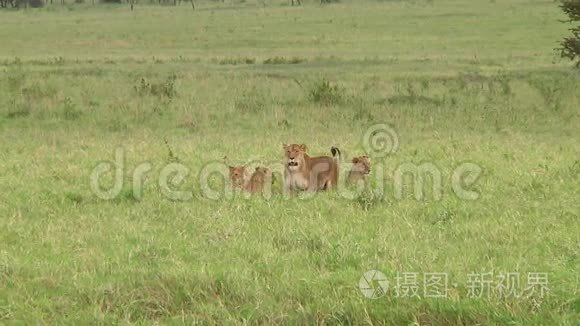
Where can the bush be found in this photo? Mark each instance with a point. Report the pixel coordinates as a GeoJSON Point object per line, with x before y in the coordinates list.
{"type": "Point", "coordinates": [234, 61]}
{"type": "Point", "coordinates": [18, 109]}
{"type": "Point", "coordinates": [282, 60]}
{"type": "Point", "coordinates": [325, 93]}
{"type": "Point", "coordinates": [570, 46]}
{"type": "Point", "coordinates": [162, 89]}
{"type": "Point", "coordinates": [69, 110]}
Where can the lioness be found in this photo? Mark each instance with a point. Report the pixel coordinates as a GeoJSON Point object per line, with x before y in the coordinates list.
{"type": "Point", "coordinates": [259, 179]}
{"type": "Point", "coordinates": [360, 170]}
{"type": "Point", "coordinates": [303, 172]}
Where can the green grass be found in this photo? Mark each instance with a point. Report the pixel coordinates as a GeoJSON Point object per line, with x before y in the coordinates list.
{"type": "Point", "coordinates": [460, 81]}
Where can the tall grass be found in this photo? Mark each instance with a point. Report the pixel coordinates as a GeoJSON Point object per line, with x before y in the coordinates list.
{"type": "Point", "coordinates": [460, 83]}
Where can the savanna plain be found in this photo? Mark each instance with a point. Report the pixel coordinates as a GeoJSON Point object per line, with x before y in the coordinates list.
{"type": "Point", "coordinates": [456, 81]}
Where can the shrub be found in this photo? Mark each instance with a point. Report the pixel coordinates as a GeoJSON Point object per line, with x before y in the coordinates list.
{"type": "Point", "coordinates": [283, 60]}
{"type": "Point", "coordinates": [234, 61]}
{"type": "Point", "coordinates": [69, 110]}
{"type": "Point", "coordinates": [18, 109]}
{"type": "Point", "coordinates": [369, 199]}
{"type": "Point", "coordinates": [166, 88]}
{"type": "Point", "coordinates": [36, 91]}
{"type": "Point", "coordinates": [325, 93]}
{"type": "Point", "coordinates": [171, 157]}
{"type": "Point", "coordinates": [570, 46]}
{"type": "Point", "coordinates": [163, 89]}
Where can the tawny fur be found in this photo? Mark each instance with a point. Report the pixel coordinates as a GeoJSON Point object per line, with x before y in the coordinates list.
{"type": "Point", "coordinates": [238, 176]}
{"type": "Point", "coordinates": [261, 178]}
{"type": "Point", "coordinates": [303, 172]}
{"type": "Point", "coordinates": [360, 170]}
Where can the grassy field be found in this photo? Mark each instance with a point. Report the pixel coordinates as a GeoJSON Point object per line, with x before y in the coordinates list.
{"type": "Point", "coordinates": [458, 81]}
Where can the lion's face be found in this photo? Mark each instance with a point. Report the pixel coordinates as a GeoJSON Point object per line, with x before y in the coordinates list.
{"type": "Point", "coordinates": [294, 156]}
{"type": "Point", "coordinates": [361, 164]}
{"type": "Point", "coordinates": [266, 172]}
{"type": "Point", "coordinates": [237, 175]}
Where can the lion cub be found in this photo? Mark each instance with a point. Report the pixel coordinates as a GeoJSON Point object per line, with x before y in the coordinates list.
{"type": "Point", "coordinates": [303, 172]}
{"type": "Point", "coordinates": [238, 176]}
{"type": "Point", "coordinates": [261, 177]}
{"type": "Point", "coordinates": [360, 170]}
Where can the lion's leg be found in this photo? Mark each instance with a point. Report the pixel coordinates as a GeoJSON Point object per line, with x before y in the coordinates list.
{"type": "Point", "coordinates": [287, 188]}
{"type": "Point", "coordinates": [334, 177]}
{"type": "Point", "coordinates": [315, 183]}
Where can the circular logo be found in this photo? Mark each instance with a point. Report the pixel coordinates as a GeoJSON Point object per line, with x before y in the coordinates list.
{"type": "Point", "coordinates": [373, 284]}
{"type": "Point", "coordinates": [380, 140]}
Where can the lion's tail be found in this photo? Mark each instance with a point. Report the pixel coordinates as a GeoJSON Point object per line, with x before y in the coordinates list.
{"type": "Point", "coordinates": [335, 153]}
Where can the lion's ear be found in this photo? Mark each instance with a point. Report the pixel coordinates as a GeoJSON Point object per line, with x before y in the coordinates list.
{"type": "Point", "coordinates": [302, 147]}
{"type": "Point", "coordinates": [355, 160]}
{"type": "Point", "coordinates": [285, 146]}
{"type": "Point", "coordinates": [231, 168]}
{"type": "Point", "coordinates": [257, 168]}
